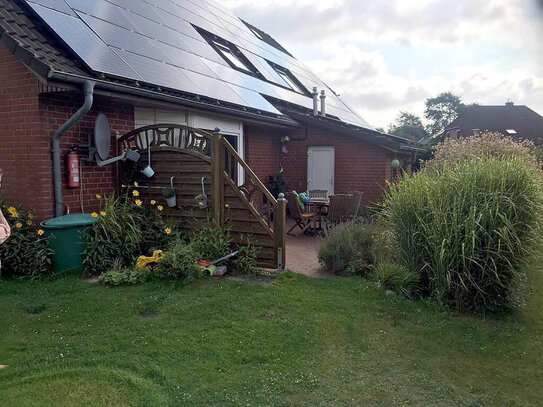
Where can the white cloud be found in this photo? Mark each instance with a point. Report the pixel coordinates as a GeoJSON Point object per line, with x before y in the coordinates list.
{"type": "Point", "coordinates": [386, 56]}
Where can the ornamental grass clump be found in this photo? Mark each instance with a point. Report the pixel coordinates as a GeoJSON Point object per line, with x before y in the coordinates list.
{"type": "Point", "coordinates": [468, 228]}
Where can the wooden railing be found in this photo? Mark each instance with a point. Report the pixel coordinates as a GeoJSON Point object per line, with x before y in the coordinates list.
{"type": "Point", "coordinates": [269, 211]}
{"type": "Point", "coordinates": [257, 215]}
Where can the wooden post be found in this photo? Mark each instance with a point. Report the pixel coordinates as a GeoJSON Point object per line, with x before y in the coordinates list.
{"type": "Point", "coordinates": [216, 177]}
{"type": "Point", "coordinates": [279, 231]}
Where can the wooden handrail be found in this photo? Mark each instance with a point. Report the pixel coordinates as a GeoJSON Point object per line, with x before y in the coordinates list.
{"type": "Point", "coordinates": [249, 171]}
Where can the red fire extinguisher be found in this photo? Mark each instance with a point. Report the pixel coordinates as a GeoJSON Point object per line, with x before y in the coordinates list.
{"type": "Point", "coordinates": [72, 165]}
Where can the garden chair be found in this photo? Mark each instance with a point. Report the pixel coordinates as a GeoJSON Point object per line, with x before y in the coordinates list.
{"type": "Point", "coordinates": [357, 202]}
{"type": "Point", "coordinates": [341, 208]}
{"type": "Point", "coordinates": [303, 220]}
{"type": "Point", "coordinates": [318, 193]}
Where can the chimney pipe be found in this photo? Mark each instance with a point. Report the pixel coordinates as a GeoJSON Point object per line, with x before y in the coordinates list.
{"type": "Point", "coordinates": [323, 103]}
{"type": "Point", "coordinates": [315, 101]}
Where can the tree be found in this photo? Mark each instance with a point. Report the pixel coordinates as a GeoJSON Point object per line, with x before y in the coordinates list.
{"type": "Point", "coordinates": [441, 111]}
{"type": "Point", "coordinates": [408, 125]}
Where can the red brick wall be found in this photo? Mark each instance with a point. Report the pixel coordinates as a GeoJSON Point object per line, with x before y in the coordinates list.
{"type": "Point", "coordinates": [28, 121]}
{"type": "Point", "coordinates": [262, 150]}
{"type": "Point", "coordinates": [358, 165]}
{"type": "Point", "coordinates": [23, 149]}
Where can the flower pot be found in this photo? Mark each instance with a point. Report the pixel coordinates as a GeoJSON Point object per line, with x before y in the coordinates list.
{"type": "Point", "coordinates": [171, 201]}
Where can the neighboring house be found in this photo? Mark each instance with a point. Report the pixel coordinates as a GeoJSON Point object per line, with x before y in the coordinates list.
{"type": "Point", "coordinates": [184, 62]}
{"type": "Point", "coordinates": [519, 122]}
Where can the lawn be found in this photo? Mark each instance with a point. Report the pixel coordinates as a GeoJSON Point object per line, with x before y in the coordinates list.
{"type": "Point", "coordinates": [297, 342]}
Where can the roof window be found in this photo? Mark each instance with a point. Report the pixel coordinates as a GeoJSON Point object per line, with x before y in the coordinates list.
{"type": "Point", "coordinates": [292, 82]}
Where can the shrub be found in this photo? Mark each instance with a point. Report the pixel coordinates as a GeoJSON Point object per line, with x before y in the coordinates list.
{"type": "Point", "coordinates": [180, 262]}
{"type": "Point", "coordinates": [115, 238]}
{"type": "Point", "coordinates": [124, 230]}
{"type": "Point", "coordinates": [26, 253]}
{"type": "Point", "coordinates": [451, 152]}
{"type": "Point", "coordinates": [468, 228]}
{"type": "Point", "coordinates": [398, 278]}
{"type": "Point", "coordinates": [212, 242]}
{"type": "Point", "coordinates": [347, 249]}
{"type": "Point", "coordinates": [124, 276]}
{"type": "Point", "coordinates": [246, 262]}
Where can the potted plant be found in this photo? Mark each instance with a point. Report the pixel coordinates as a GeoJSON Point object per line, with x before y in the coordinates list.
{"type": "Point", "coordinates": [170, 196]}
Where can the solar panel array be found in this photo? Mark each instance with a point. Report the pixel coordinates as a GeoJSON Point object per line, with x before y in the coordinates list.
{"type": "Point", "coordinates": [156, 42]}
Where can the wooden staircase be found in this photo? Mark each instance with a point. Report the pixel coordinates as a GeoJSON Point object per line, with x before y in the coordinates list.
{"type": "Point", "coordinates": [249, 211]}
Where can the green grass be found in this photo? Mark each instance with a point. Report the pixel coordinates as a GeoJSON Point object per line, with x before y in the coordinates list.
{"type": "Point", "coordinates": [298, 342]}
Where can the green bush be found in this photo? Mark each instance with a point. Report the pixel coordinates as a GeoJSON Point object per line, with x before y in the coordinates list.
{"type": "Point", "coordinates": [212, 242]}
{"type": "Point", "coordinates": [398, 278]}
{"type": "Point", "coordinates": [468, 228]}
{"type": "Point", "coordinates": [246, 262]}
{"type": "Point", "coordinates": [26, 253]}
{"type": "Point", "coordinates": [115, 238]}
{"type": "Point", "coordinates": [124, 276]}
{"type": "Point", "coordinates": [124, 230]}
{"type": "Point", "coordinates": [180, 262]}
{"type": "Point", "coordinates": [347, 249]}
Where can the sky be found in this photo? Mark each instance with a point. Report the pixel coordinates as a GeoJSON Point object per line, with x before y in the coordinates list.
{"type": "Point", "coordinates": [387, 56]}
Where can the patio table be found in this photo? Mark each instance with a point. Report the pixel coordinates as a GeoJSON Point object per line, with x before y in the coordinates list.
{"type": "Point", "coordinates": [319, 204]}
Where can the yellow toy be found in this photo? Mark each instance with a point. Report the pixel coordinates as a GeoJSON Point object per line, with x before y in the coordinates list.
{"type": "Point", "coordinates": [145, 262]}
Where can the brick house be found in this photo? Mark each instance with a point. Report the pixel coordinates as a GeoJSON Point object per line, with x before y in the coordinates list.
{"type": "Point", "coordinates": [186, 62]}
{"type": "Point", "coordinates": [517, 121]}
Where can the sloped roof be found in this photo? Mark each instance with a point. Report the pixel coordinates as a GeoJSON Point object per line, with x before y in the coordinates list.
{"type": "Point", "coordinates": [170, 48]}
{"type": "Point", "coordinates": [525, 123]}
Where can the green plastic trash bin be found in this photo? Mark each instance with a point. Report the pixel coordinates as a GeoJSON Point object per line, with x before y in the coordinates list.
{"type": "Point", "coordinates": [66, 236]}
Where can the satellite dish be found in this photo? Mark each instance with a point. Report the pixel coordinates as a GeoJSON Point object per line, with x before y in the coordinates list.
{"type": "Point", "coordinates": [102, 144]}
{"type": "Point", "coordinates": [102, 137]}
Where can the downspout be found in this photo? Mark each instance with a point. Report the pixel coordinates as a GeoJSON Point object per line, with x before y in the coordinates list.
{"type": "Point", "coordinates": [88, 90]}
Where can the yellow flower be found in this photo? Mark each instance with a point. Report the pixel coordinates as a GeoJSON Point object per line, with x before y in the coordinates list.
{"type": "Point", "coordinates": [29, 222]}
{"type": "Point", "coordinates": [136, 184]}
{"type": "Point", "coordinates": [98, 196]}
{"type": "Point", "coordinates": [387, 182]}
{"type": "Point", "coordinates": [168, 231]}
{"type": "Point", "coordinates": [94, 215]}
{"type": "Point", "coordinates": [41, 232]}
{"type": "Point", "coordinates": [136, 193]}
{"type": "Point", "coordinates": [160, 207]}
{"type": "Point", "coordinates": [103, 213]}
{"type": "Point", "coordinates": [138, 202]}
{"type": "Point", "coordinates": [13, 212]}
{"type": "Point", "coordinates": [30, 215]}
{"type": "Point", "coordinates": [19, 225]}
{"type": "Point", "coordinates": [153, 202]}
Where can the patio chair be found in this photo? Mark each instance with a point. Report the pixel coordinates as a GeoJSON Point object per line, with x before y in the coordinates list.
{"type": "Point", "coordinates": [318, 193]}
{"type": "Point", "coordinates": [303, 220]}
{"type": "Point", "coordinates": [341, 208]}
{"type": "Point", "coordinates": [357, 202]}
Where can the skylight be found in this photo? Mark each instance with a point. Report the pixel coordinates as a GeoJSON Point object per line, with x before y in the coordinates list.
{"type": "Point", "coordinates": [292, 82]}
{"type": "Point", "coordinates": [228, 54]}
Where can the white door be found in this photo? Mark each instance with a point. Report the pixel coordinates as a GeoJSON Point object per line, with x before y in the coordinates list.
{"type": "Point", "coordinates": [320, 168]}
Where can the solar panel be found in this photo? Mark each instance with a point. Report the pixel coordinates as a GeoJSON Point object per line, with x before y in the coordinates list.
{"type": "Point", "coordinates": [82, 40]}
{"type": "Point", "coordinates": [184, 59]}
{"type": "Point", "coordinates": [58, 5]}
{"type": "Point", "coordinates": [102, 10]}
{"type": "Point", "coordinates": [155, 41]}
{"type": "Point", "coordinates": [254, 99]}
{"type": "Point", "coordinates": [159, 73]}
{"type": "Point", "coordinates": [122, 38]}
{"type": "Point", "coordinates": [214, 88]}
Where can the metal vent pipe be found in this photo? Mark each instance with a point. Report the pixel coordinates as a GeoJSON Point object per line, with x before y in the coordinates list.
{"type": "Point", "coordinates": [323, 103]}
{"type": "Point", "coordinates": [315, 101]}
